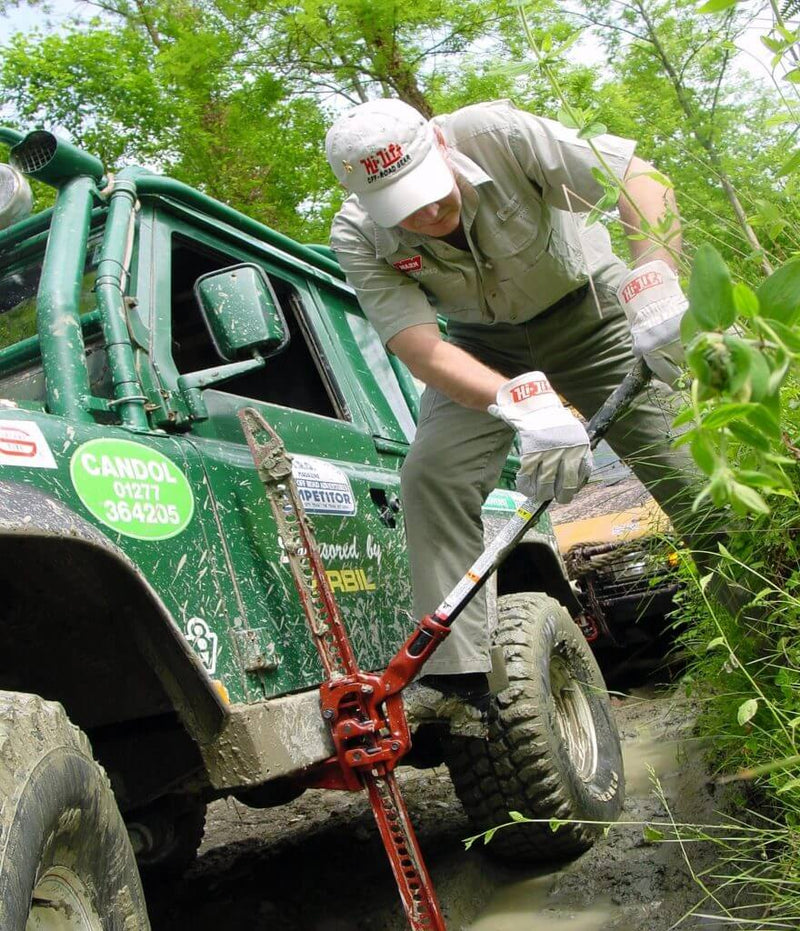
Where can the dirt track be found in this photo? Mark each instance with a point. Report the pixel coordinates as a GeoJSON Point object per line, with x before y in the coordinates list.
{"type": "Point", "coordinates": [317, 865]}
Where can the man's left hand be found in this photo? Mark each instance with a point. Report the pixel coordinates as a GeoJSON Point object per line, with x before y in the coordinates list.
{"type": "Point", "coordinates": [654, 304]}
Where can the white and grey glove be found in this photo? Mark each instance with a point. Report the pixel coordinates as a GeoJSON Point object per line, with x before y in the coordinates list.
{"type": "Point", "coordinates": [654, 305]}
{"type": "Point", "coordinates": [555, 454]}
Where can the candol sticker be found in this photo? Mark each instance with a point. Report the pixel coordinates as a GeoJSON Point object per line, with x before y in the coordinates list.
{"type": "Point", "coordinates": [132, 489]}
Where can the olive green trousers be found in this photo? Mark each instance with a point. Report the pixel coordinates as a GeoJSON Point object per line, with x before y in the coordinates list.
{"type": "Point", "coordinates": [458, 454]}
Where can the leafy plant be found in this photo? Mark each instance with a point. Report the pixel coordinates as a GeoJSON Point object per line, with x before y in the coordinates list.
{"type": "Point", "coordinates": [737, 438]}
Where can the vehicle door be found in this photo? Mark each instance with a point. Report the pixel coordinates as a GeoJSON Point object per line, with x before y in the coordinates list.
{"type": "Point", "coordinates": [322, 396]}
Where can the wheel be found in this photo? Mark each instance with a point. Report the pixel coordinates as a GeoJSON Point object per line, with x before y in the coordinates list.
{"type": "Point", "coordinates": [66, 863]}
{"type": "Point", "coordinates": [166, 835]}
{"type": "Point", "coordinates": [553, 750]}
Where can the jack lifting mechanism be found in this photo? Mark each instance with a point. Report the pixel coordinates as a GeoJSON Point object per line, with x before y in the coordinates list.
{"type": "Point", "coordinates": [365, 710]}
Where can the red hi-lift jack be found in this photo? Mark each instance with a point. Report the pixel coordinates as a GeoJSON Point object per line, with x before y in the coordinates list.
{"type": "Point", "coordinates": [365, 710]}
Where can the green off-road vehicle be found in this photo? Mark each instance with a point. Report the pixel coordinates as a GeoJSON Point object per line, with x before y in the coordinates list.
{"type": "Point", "coordinates": [155, 655]}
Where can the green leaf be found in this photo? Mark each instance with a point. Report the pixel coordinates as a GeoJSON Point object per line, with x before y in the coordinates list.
{"type": "Point", "coordinates": [703, 453]}
{"type": "Point", "coordinates": [685, 416]}
{"type": "Point", "coordinates": [756, 479]}
{"type": "Point", "coordinates": [749, 436]}
{"type": "Point", "coordinates": [779, 295]}
{"type": "Point", "coordinates": [711, 290]}
{"type": "Point", "coordinates": [790, 165]}
{"type": "Point", "coordinates": [689, 327]}
{"type": "Point", "coordinates": [662, 179]}
{"type": "Point", "coordinates": [556, 823]}
{"type": "Point", "coordinates": [489, 835]}
{"type": "Point", "coordinates": [746, 710]}
{"type": "Point", "coordinates": [774, 45]}
{"type": "Point", "coordinates": [725, 413]}
{"type": "Point", "coordinates": [518, 816]}
{"type": "Point", "coordinates": [792, 76]}
{"type": "Point", "coordinates": [652, 835]}
{"type": "Point", "coordinates": [716, 642]}
{"type": "Point", "coordinates": [778, 120]}
{"type": "Point", "coordinates": [762, 420]}
{"type": "Point", "coordinates": [789, 786]}
{"type": "Point", "coordinates": [789, 336]}
{"type": "Point", "coordinates": [592, 130]}
{"type": "Point", "coordinates": [747, 499]}
{"type": "Point", "coordinates": [716, 6]}
{"type": "Point", "coordinates": [566, 119]}
{"type": "Point", "coordinates": [745, 300]}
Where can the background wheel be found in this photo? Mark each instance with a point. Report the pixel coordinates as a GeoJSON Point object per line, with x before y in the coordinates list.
{"type": "Point", "coordinates": [166, 835]}
{"type": "Point", "coordinates": [66, 863]}
{"type": "Point", "coordinates": [553, 749]}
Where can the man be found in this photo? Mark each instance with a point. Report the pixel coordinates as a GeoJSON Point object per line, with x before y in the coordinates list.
{"type": "Point", "coordinates": [476, 216]}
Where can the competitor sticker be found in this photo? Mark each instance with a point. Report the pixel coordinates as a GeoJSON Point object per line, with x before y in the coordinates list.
{"type": "Point", "coordinates": [413, 264]}
{"type": "Point", "coordinates": [502, 500]}
{"type": "Point", "coordinates": [23, 444]}
{"type": "Point", "coordinates": [132, 489]}
{"type": "Point", "coordinates": [204, 642]}
{"type": "Point", "coordinates": [323, 488]}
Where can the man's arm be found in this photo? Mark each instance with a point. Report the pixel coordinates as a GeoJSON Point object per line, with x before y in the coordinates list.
{"type": "Point", "coordinates": [654, 200]}
{"type": "Point", "coordinates": [445, 367]}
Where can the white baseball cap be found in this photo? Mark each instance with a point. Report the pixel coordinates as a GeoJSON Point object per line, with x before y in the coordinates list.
{"type": "Point", "coordinates": [385, 152]}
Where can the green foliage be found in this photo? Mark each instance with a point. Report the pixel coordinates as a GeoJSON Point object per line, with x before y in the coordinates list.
{"type": "Point", "coordinates": [736, 437]}
{"type": "Point", "coordinates": [182, 107]}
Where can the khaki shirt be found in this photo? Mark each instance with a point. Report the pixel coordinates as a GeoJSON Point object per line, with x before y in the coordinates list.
{"type": "Point", "coordinates": [526, 250]}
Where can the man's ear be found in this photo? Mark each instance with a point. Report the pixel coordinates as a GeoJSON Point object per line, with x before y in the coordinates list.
{"type": "Point", "coordinates": [440, 140]}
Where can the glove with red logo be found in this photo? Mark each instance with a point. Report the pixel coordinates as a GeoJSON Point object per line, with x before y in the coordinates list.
{"type": "Point", "coordinates": [654, 304]}
{"type": "Point", "coordinates": [554, 446]}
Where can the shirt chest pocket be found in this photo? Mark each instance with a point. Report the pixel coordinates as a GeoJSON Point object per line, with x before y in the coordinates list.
{"type": "Point", "coordinates": [512, 225]}
{"type": "Point", "coordinates": [450, 289]}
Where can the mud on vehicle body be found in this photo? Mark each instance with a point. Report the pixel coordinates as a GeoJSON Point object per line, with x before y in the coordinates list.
{"type": "Point", "coordinates": [144, 582]}
{"type": "Point", "coordinates": [613, 537]}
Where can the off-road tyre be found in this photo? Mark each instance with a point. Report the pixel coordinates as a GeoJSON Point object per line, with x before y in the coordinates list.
{"type": "Point", "coordinates": [529, 764]}
{"type": "Point", "coordinates": [166, 836]}
{"type": "Point", "coordinates": [65, 858]}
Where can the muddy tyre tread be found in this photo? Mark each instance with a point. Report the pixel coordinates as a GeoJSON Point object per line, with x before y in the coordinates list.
{"type": "Point", "coordinates": [516, 769]}
{"type": "Point", "coordinates": [42, 750]}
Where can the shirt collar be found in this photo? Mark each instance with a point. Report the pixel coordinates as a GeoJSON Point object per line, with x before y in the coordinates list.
{"type": "Point", "coordinates": [388, 241]}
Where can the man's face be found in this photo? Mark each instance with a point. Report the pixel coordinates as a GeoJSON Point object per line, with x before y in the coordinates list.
{"type": "Point", "coordinates": [437, 219]}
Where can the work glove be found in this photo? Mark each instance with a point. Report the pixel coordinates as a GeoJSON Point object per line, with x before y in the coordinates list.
{"type": "Point", "coordinates": [554, 446]}
{"type": "Point", "coordinates": [653, 302]}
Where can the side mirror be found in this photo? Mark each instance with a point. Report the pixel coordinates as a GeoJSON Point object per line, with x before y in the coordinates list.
{"type": "Point", "coordinates": [241, 312]}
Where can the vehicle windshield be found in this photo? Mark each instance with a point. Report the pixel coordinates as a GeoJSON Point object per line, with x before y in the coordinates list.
{"type": "Point", "coordinates": [19, 285]}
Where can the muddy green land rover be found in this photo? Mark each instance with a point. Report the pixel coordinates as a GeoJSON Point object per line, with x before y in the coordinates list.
{"type": "Point", "coordinates": [155, 655]}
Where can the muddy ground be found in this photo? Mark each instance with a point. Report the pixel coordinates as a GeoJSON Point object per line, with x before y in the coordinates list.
{"type": "Point", "coordinates": [317, 864]}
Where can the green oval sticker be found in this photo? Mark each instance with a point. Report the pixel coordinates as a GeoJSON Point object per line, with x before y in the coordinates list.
{"type": "Point", "coordinates": [131, 488]}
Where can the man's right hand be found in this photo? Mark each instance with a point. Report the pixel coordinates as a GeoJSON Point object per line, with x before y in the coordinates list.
{"type": "Point", "coordinates": [555, 454]}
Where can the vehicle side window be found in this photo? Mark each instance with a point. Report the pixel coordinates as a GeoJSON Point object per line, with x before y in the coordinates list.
{"type": "Point", "coordinates": [293, 378]}
{"type": "Point", "coordinates": [18, 291]}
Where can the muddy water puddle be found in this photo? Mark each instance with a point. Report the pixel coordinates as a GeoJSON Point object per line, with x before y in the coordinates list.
{"type": "Point", "coordinates": [622, 882]}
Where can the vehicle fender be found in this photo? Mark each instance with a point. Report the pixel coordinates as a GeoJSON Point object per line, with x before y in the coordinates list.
{"type": "Point", "coordinates": [28, 513]}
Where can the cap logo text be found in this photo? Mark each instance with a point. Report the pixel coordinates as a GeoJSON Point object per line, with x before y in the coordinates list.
{"type": "Point", "coordinates": [384, 162]}
{"type": "Point", "coordinates": [642, 283]}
